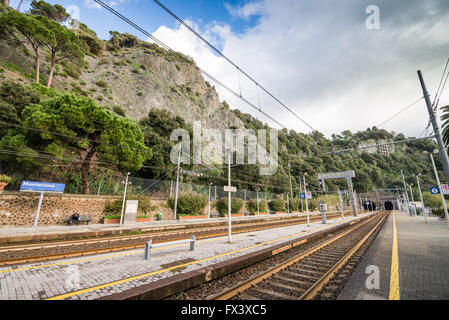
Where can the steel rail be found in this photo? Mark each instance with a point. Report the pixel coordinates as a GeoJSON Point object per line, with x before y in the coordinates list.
{"type": "Point", "coordinates": [247, 284]}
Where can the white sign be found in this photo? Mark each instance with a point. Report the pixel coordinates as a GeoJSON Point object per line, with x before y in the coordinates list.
{"type": "Point", "coordinates": [445, 188]}
{"type": "Point", "coordinates": [131, 212]}
{"type": "Point", "coordinates": [309, 195]}
{"type": "Point", "coordinates": [230, 189]}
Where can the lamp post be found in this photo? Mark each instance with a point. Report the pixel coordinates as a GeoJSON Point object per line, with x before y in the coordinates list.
{"type": "Point", "coordinates": [441, 190]}
{"type": "Point", "coordinates": [305, 192]}
{"type": "Point", "coordinates": [228, 150]}
{"type": "Point", "coordinates": [413, 200]}
{"type": "Point", "coordinates": [124, 197]}
{"type": "Point", "coordinates": [422, 201]}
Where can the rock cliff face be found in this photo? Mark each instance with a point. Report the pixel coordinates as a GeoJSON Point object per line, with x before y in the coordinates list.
{"type": "Point", "coordinates": [133, 75]}
{"type": "Point", "coordinates": [141, 79]}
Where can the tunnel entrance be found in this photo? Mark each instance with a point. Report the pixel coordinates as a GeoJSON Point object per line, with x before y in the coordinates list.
{"type": "Point", "coordinates": [389, 206]}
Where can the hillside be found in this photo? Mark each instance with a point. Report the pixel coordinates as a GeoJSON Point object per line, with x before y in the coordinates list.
{"type": "Point", "coordinates": [158, 92]}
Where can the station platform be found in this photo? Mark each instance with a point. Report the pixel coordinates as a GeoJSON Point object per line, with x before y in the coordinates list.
{"type": "Point", "coordinates": [125, 274]}
{"type": "Point", "coordinates": [412, 258]}
{"type": "Point", "coordinates": [62, 232]}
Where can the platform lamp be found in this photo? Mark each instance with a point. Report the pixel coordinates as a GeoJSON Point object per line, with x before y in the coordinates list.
{"type": "Point", "coordinates": [124, 197]}
{"type": "Point", "coordinates": [420, 196]}
{"type": "Point", "coordinates": [439, 186]}
{"type": "Point", "coordinates": [305, 192]}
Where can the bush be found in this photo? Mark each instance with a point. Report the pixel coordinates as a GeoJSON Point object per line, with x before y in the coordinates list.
{"type": "Point", "coordinates": [188, 205]}
{"type": "Point", "coordinates": [295, 204]}
{"type": "Point", "coordinates": [277, 205]}
{"type": "Point", "coordinates": [312, 206]}
{"type": "Point", "coordinates": [72, 71]}
{"type": "Point", "coordinates": [222, 205]}
{"type": "Point", "coordinates": [118, 110]}
{"type": "Point", "coordinates": [115, 207]}
{"type": "Point", "coordinates": [252, 206]}
{"type": "Point", "coordinates": [101, 84]}
{"type": "Point", "coordinates": [5, 178]}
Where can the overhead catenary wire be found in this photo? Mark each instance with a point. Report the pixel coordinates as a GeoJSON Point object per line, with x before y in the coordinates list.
{"type": "Point", "coordinates": [402, 110]}
{"type": "Point", "coordinates": [162, 44]}
{"type": "Point", "coordinates": [230, 61]}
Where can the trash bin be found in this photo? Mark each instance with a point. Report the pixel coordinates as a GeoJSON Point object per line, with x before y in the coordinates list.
{"type": "Point", "coordinates": [159, 216]}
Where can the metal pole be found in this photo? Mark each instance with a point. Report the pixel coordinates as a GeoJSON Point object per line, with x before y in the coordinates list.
{"type": "Point", "coordinates": [307, 206]}
{"type": "Point", "coordinates": [244, 194]}
{"type": "Point", "coordinates": [406, 193]}
{"type": "Point", "coordinates": [124, 198]}
{"type": "Point", "coordinates": [422, 201]}
{"type": "Point", "coordinates": [288, 205]}
{"type": "Point", "coordinates": [351, 190]}
{"type": "Point", "coordinates": [215, 193]}
{"type": "Point", "coordinates": [208, 200]}
{"type": "Point", "coordinates": [101, 181]}
{"type": "Point", "coordinates": [38, 209]}
{"type": "Point", "coordinates": [177, 184]}
{"type": "Point", "coordinates": [436, 128]}
{"type": "Point", "coordinates": [413, 200]}
{"type": "Point", "coordinates": [300, 191]}
{"type": "Point", "coordinates": [441, 190]}
{"type": "Point", "coordinates": [229, 197]}
{"type": "Point", "coordinates": [171, 188]}
{"type": "Point", "coordinates": [341, 203]}
{"type": "Point", "coordinates": [257, 200]}
{"type": "Point", "coordinates": [290, 179]}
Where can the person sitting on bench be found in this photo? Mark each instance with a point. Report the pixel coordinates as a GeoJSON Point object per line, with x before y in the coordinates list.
{"type": "Point", "coordinates": [75, 217]}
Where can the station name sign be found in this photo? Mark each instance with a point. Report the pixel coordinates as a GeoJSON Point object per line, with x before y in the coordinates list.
{"type": "Point", "coordinates": [34, 186]}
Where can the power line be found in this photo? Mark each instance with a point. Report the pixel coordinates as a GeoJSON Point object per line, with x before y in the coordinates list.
{"type": "Point", "coordinates": [230, 61]}
{"type": "Point", "coordinates": [116, 13]}
{"type": "Point", "coordinates": [395, 115]}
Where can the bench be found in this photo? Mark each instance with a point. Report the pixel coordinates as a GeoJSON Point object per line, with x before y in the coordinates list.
{"type": "Point", "coordinates": [150, 245]}
{"type": "Point", "coordinates": [83, 218]}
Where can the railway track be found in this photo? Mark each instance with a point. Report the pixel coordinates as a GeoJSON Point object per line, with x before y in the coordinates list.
{"type": "Point", "coordinates": [307, 275]}
{"type": "Point", "coordinates": [30, 253]}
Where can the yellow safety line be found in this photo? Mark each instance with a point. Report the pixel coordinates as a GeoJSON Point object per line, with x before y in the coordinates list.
{"type": "Point", "coordinates": [75, 293]}
{"type": "Point", "coordinates": [394, 277]}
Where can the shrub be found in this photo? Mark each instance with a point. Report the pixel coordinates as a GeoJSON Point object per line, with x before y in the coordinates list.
{"type": "Point", "coordinates": [222, 205]}
{"type": "Point", "coordinates": [312, 206]}
{"type": "Point", "coordinates": [101, 83]}
{"type": "Point", "coordinates": [5, 178]}
{"type": "Point", "coordinates": [188, 205]}
{"type": "Point", "coordinates": [178, 67]}
{"type": "Point", "coordinates": [104, 61]}
{"type": "Point", "coordinates": [83, 83]}
{"type": "Point", "coordinates": [118, 110]}
{"type": "Point", "coordinates": [72, 71]}
{"type": "Point", "coordinates": [140, 93]}
{"type": "Point", "coordinates": [294, 204]}
{"type": "Point", "coordinates": [277, 205]}
{"type": "Point", "coordinates": [252, 206]}
{"type": "Point", "coordinates": [113, 207]}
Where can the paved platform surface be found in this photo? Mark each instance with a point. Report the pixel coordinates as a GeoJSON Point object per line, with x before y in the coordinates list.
{"type": "Point", "coordinates": [74, 229]}
{"type": "Point", "coordinates": [423, 260]}
{"type": "Point", "coordinates": [102, 275]}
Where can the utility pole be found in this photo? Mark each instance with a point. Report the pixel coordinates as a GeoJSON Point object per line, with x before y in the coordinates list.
{"type": "Point", "coordinates": [288, 205]}
{"type": "Point", "coordinates": [441, 190]}
{"type": "Point", "coordinates": [229, 196]}
{"type": "Point", "coordinates": [406, 193]}
{"type": "Point", "coordinates": [436, 129]}
{"type": "Point", "coordinates": [208, 201]}
{"type": "Point", "coordinates": [124, 198]}
{"type": "Point", "coordinates": [413, 200]}
{"type": "Point", "coordinates": [290, 178]}
{"type": "Point", "coordinates": [422, 201]}
{"type": "Point", "coordinates": [341, 203]}
{"type": "Point", "coordinates": [300, 191]}
{"type": "Point", "coordinates": [177, 184]}
{"type": "Point", "coordinates": [101, 181]}
{"type": "Point", "coordinates": [307, 206]}
{"type": "Point", "coordinates": [257, 200]}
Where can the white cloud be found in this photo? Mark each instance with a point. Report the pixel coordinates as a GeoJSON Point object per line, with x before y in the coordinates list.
{"type": "Point", "coordinates": [323, 63]}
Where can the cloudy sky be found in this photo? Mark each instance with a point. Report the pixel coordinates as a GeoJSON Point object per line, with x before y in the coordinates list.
{"type": "Point", "coordinates": [317, 56]}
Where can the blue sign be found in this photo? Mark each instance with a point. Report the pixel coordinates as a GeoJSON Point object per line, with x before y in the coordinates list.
{"type": "Point", "coordinates": [435, 190]}
{"type": "Point", "coordinates": [303, 195]}
{"type": "Point", "coordinates": [34, 186]}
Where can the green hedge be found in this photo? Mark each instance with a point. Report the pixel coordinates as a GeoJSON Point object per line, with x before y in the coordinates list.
{"type": "Point", "coordinates": [252, 206]}
{"type": "Point", "coordinates": [5, 178]}
{"type": "Point", "coordinates": [222, 205]}
{"type": "Point", "coordinates": [188, 205]}
{"type": "Point", "coordinates": [277, 205]}
{"type": "Point", "coordinates": [294, 204]}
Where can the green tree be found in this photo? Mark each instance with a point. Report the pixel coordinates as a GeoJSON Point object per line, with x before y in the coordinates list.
{"type": "Point", "coordinates": [102, 135]}
{"type": "Point", "coordinates": [62, 43]}
{"type": "Point", "coordinates": [26, 29]}
{"type": "Point", "coordinates": [56, 12]}
{"type": "Point", "coordinates": [445, 119]}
